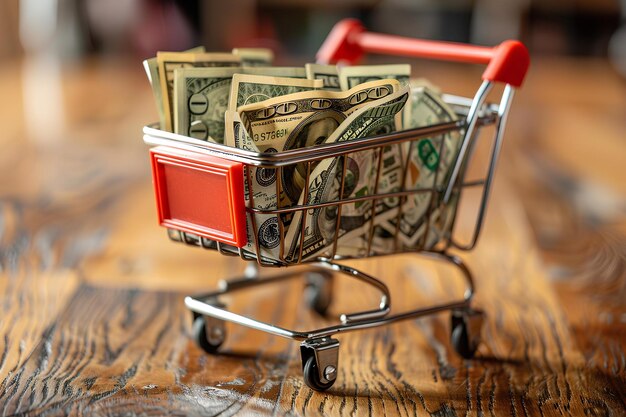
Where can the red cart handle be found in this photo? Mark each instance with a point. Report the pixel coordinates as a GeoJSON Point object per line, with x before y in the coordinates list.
{"type": "Point", "coordinates": [348, 41]}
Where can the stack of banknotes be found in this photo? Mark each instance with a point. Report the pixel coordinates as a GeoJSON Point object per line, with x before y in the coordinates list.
{"type": "Point", "coordinates": [240, 100]}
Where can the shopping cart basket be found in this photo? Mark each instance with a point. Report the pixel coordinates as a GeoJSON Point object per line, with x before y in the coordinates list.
{"type": "Point", "coordinates": [201, 196]}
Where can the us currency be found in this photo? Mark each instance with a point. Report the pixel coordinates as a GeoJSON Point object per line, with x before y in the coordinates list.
{"type": "Point", "coordinates": [429, 166]}
{"type": "Point", "coordinates": [320, 225]}
{"type": "Point", "coordinates": [362, 232]}
{"type": "Point", "coordinates": [249, 89]}
{"type": "Point", "coordinates": [271, 229]}
{"type": "Point", "coordinates": [329, 74]}
{"type": "Point", "coordinates": [350, 77]}
{"type": "Point", "coordinates": [200, 100]}
{"type": "Point", "coordinates": [169, 61]}
{"type": "Point", "coordinates": [262, 187]}
{"type": "Point", "coordinates": [152, 71]}
{"type": "Point", "coordinates": [305, 119]}
{"type": "Point", "coordinates": [201, 97]}
{"type": "Point", "coordinates": [254, 57]}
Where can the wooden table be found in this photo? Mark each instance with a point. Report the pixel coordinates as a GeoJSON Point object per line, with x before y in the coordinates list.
{"type": "Point", "coordinates": [91, 290]}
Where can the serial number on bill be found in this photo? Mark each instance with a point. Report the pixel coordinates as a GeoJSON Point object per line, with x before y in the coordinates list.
{"type": "Point", "coordinates": [263, 136]}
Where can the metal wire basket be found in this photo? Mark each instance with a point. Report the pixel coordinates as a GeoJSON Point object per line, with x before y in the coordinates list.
{"type": "Point", "coordinates": [204, 198]}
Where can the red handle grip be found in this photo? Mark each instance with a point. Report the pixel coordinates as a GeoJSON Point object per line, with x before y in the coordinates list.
{"type": "Point", "coordinates": [348, 41]}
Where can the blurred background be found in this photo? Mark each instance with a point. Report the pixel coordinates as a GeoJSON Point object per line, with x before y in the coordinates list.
{"type": "Point", "coordinates": [57, 57]}
{"type": "Point", "coordinates": [295, 28]}
{"type": "Point", "coordinates": [75, 95]}
{"type": "Point", "coordinates": [77, 206]}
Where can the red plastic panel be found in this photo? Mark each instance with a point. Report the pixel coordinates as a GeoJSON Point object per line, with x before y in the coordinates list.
{"type": "Point", "coordinates": [199, 194]}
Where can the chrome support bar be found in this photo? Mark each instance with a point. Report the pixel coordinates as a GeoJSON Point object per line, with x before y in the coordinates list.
{"type": "Point", "coordinates": [349, 322]}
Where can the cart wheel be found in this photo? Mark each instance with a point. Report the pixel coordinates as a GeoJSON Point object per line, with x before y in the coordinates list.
{"type": "Point", "coordinates": [211, 340]}
{"type": "Point", "coordinates": [319, 291]}
{"type": "Point", "coordinates": [312, 378]}
{"type": "Point", "coordinates": [465, 331]}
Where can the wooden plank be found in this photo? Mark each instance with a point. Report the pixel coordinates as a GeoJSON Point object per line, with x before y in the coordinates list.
{"type": "Point", "coordinates": [115, 346]}
{"type": "Point", "coordinates": [93, 319]}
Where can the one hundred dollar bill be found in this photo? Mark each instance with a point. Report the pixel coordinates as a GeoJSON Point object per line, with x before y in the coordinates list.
{"type": "Point", "coordinates": [329, 74]}
{"type": "Point", "coordinates": [281, 188]}
{"type": "Point", "coordinates": [260, 191]}
{"type": "Point", "coordinates": [350, 77]}
{"type": "Point", "coordinates": [169, 61]}
{"type": "Point", "coordinates": [313, 232]}
{"type": "Point", "coordinates": [303, 120]}
{"type": "Point", "coordinates": [254, 57]}
{"type": "Point", "coordinates": [248, 89]}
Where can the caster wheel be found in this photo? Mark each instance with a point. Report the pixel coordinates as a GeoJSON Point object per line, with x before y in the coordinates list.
{"type": "Point", "coordinates": [465, 332]}
{"type": "Point", "coordinates": [210, 337]}
{"type": "Point", "coordinates": [319, 292]}
{"type": "Point", "coordinates": [312, 378]}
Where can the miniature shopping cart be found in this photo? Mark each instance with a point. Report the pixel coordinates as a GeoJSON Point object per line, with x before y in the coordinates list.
{"type": "Point", "coordinates": [201, 200]}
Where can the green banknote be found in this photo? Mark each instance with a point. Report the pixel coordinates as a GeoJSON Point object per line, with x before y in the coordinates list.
{"type": "Point", "coordinates": [248, 89]}
{"type": "Point", "coordinates": [201, 97]}
{"type": "Point", "coordinates": [429, 166]}
{"type": "Point", "coordinates": [169, 61]}
{"type": "Point", "coordinates": [200, 100]}
{"type": "Point", "coordinates": [303, 120]}
{"type": "Point", "coordinates": [312, 232]}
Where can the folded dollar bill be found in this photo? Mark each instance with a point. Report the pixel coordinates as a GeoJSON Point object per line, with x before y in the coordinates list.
{"type": "Point", "coordinates": [313, 232]}
{"type": "Point", "coordinates": [303, 120]}
{"type": "Point", "coordinates": [281, 188]}
{"type": "Point", "coordinates": [201, 97]}
{"type": "Point", "coordinates": [429, 166]}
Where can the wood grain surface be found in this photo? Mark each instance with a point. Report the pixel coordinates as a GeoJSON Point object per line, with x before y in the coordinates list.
{"type": "Point", "coordinates": [92, 318]}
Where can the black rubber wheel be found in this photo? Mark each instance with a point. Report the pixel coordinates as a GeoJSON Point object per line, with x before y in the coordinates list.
{"type": "Point", "coordinates": [200, 336]}
{"type": "Point", "coordinates": [460, 340]}
{"type": "Point", "coordinates": [318, 293]}
{"type": "Point", "coordinates": [312, 378]}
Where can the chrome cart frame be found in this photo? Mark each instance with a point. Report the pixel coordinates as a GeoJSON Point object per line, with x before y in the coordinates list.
{"type": "Point", "coordinates": [319, 349]}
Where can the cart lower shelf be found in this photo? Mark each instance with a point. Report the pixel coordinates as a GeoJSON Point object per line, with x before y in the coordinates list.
{"type": "Point", "coordinates": [319, 349]}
